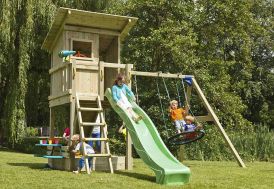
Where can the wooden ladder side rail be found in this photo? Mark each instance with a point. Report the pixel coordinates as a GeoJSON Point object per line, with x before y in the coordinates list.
{"type": "Point", "coordinates": [82, 134]}
{"type": "Point", "coordinates": [217, 122]}
{"type": "Point", "coordinates": [102, 118]}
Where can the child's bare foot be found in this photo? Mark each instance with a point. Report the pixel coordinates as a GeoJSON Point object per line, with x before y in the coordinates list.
{"type": "Point", "coordinates": [137, 119]}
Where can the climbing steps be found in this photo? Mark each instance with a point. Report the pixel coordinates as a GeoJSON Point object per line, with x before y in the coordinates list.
{"type": "Point", "coordinates": [101, 123]}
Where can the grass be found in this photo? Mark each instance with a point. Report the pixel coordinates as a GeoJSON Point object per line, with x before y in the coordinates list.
{"type": "Point", "coordinates": [18, 170]}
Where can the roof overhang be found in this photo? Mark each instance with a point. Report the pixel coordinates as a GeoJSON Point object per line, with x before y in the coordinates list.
{"type": "Point", "coordinates": [74, 17]}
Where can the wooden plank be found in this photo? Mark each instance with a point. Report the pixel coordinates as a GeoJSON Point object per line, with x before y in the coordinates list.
{"type": "Point", "coordinates": [204, 118]}
{"type": "Point", "coordinates": [95, 139]}
{"type": "Point", "coordinates": [114, 65]}
{"type": "Point", "coordinates": [60, 30]}
{"type": "Point", "coordinates": [60, 101]}
{"type": "Point", "coordinates": [217, 122]}
{"type": "Point", "coordinates": [60, 95]}
{"type": "Point", "coordinates": [91, 30]}
{"type": "Point", "coordinates": [159, 74]}
{"type": "Point", "coordinates": [87, 67]}
{"type": "Point", "coordinates": [128, 25]}
{"type": "Point", "coordinates": [98, 155]}
{"type": "Point", "coordinates": [93, 124]}
{"type": "Point", "coordinates": [91, 109]}
{"type": "Point", "coordinates": [58, 67]}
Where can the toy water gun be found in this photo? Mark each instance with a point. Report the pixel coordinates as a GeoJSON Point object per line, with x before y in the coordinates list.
{"type": "Point", "coordinates": [65, 53]}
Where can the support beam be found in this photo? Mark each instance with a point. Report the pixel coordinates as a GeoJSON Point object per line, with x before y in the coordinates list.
{"type": "Point", "coordinates": [217, 122]}
{"type": "Point", "coordinates": [160, 74]}
{"type": "Point", "coordinates": [129, 160]}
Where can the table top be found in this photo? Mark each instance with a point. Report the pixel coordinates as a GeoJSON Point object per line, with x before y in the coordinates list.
{"type": "Point", "coordinates": [48, 144]}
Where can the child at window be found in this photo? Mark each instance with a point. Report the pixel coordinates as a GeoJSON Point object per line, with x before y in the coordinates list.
{"type": "Point", "coordinates": [177, 115]}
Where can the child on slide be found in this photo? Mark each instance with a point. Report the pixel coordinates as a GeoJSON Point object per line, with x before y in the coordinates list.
{"type": "Point", "coordinates": [119, 92]}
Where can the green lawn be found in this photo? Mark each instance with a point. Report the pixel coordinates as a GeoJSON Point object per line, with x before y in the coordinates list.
{"type": "Point", "coordinates": [19, 170]}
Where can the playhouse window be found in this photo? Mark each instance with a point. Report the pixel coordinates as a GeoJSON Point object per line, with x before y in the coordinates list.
{"type": "Point", "coordinates": [83, 48]}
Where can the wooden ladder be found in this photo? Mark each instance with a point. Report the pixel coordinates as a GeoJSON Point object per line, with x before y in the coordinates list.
{"type": "Point", "coordinates": [103, 129]}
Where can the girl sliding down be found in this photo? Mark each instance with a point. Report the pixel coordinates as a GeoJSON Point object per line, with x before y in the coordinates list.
{"type": "Point", "coordinates": [119, 92]}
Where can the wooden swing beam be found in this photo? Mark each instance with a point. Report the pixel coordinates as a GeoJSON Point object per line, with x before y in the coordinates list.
{"type": "Point", "coordinates": [211, 117]}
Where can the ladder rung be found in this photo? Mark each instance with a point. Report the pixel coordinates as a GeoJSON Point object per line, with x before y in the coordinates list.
{"type": "Point", "coordinates": [98, 155]}
{"type": "Point", "coordinates": [95, 139]}
{"type": "Point", "coordinates": [93, 124]}
{"type": "Point", "coordinates": [91, 109]}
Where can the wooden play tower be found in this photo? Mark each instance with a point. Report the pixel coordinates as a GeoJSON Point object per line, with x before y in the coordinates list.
{"type": "Point", "coordinates": [82, 79]}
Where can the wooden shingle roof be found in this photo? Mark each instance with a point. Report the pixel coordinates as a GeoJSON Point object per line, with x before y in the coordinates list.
{"type": "Point", "coordinates": [66, 16]}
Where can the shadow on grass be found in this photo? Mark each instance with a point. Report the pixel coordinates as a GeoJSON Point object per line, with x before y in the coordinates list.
{"type": "Point", "coordinates": [137, 176]}
{"type": "Point", "coordinates": [31, 165]}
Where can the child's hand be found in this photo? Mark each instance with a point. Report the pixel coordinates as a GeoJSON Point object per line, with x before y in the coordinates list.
{"type": "Point", "coordinates": [119, 103]}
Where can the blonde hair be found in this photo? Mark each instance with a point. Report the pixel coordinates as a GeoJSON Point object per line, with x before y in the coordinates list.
{"type": "Point", "coordinates": [190, 118]}
{"type": "Point", "coordinates": [173, 102]}
{"type": "Point", "coordinates": [75, 137]}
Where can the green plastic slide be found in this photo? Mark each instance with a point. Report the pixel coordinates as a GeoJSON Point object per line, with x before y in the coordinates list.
{"type": "Point", "coordinates": [151, 148]}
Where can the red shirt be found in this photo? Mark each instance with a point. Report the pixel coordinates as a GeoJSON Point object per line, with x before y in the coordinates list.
{"type": "Point", "coordinates": [67, 131]}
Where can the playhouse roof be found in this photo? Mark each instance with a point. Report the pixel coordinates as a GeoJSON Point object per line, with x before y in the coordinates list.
{"type": "Point", "coordinates": [66, 16]}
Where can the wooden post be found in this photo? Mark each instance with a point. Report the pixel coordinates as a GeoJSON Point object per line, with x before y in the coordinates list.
{"type": "Point", "coordinates": [129, 160]}
{"type": "Point", "coordinates": [101, 80]}
{"type": "Point", "coordinates": [72, 116]}
{"type": "Point", "coordinates": [217, 122]}
{"type": "Point", "coordinates": [51, 122]}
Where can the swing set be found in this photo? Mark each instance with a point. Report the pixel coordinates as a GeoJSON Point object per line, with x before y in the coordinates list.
{"type": "Point", "coordinates": [184, 137]}
{"type": "Point", "coordinates": [187, 136]}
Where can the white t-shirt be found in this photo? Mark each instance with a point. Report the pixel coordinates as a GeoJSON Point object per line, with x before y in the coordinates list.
{"type": "Point", "coordinates": [96, 129]}
{"type": "Point", "coordinates": [89, 149]}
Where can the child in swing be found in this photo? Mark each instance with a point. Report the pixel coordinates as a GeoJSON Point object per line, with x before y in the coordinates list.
{"type": "Point", "coordinates": [190, 127]}
{"type": "Point", "coordinates": [119, 92]}
{"type": "Point", "coordinates": [177, 115]}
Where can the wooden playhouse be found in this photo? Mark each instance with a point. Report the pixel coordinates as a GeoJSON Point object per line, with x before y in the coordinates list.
{"type": "Point", "coordinates": [81, 79]}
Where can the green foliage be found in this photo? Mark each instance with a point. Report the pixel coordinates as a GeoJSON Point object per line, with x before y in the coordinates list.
{"type": "Point", "coordinates": [31, 132]}
{"type": "Point", "coordinates": [254, 145]}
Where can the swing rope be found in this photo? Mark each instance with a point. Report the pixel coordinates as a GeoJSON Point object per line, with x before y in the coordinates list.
{"type": "Point", "coordinates": [161, 105]}
{"type": "Point", "coordinates": [179, 97]}
{"type": "Point", "coordinates": [166, 89]}
{"type": "Point", "coordinates": [187, 105]}
{"type": "Point", "coordinates": [136, 89]}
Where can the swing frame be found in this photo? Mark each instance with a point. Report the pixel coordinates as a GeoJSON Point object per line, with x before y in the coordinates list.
{"type": "Point", "coordinates": [211, 117]}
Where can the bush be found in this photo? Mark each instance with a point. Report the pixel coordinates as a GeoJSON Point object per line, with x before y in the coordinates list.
{"type": "Point", "coordinates": [257, 145]}
{"type": "Point", "coordinates": [31, 131]}
{"type": "Point", "coordinates": [27, 145]}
